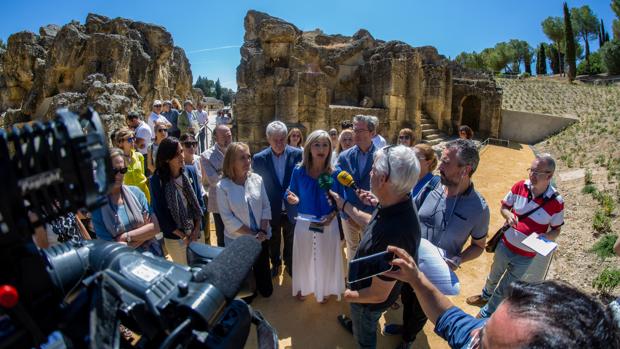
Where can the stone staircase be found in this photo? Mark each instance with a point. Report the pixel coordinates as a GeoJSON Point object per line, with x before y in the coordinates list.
{"type": "Point", "coordinates": [430, 133]}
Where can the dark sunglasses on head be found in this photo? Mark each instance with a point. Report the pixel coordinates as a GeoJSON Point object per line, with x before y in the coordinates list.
{"type": "Point", "coordinates": [122, 170]}
{"type": "Point", "coordinates": [190, 144]}
{"type": "Point", "coordinates": [162, 130]}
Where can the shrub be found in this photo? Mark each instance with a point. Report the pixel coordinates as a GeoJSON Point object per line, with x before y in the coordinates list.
{"type": "Point", "coordinates": [604, 247]}
{"type": "Point", "coordinates": [596, 65]}
{"type": "Point", "coordinates": [610, 55]}
{"type": "Point", "coordinates": [589, 189]}
{"type": "Point", "coordinates": [607, 280]}
{"type": "Point", "coordinates": [601, 222]}
{"type": "Point", "coordinates": [588, 177]}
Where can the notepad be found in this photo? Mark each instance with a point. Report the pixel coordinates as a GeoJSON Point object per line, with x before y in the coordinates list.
{"type": "Point", "coordinates": [540, 244]}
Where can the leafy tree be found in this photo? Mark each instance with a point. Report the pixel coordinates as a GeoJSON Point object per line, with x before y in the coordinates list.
{"type": "Point", "coordinates": [610, 55]}
{"type": "Point", "coordinates": [615, 6]}
{"type": "Point", "coordinates": [218, 89]}
{"type": "Point", "coordinates": [595, 66]}
{"type": "Point", "coordinates": [471, 60]}
{"type": "Point", "coordinates": [553, 27]}
{"type": "Point", "coordinates": [521, 52]}
{"type": "Point", "coordinates": [227, 95]}
{"type": "Point", "coordinates": [585, 24]}
{"type": "Point", "coordinates": [603, 36]}
{"type": "Point", "coordinates": [569, 38]}
{"type": "Point", "coordinates": [2, 44]}
{"type": "Point", "coordinates": [541, 60]}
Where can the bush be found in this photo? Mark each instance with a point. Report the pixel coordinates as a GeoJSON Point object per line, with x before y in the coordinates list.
{"type": "Point", "coordinates": [588, 177]}
{"type": "Point", "coordinates": [610, 56]}
{"type": "Point", "coordinates": [596, 65]}
{"type": "Point", "coordinates": [589, 189]}
{"type": "Point", "coordinates": [601, 222]}
{"type": "Point", "coordinates": [604, 247]}
{"type": "Point", "coordinates": [607, 280]}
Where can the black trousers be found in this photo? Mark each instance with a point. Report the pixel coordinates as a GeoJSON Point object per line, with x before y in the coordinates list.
{"type": "Point", "coordinates": [262, 272]}
{"type": "Point", "coordinates": [219, 229]}
{"type": "Point", "coordinates": [414, 318]}
{"type": "Point", "coordinates": [281, 231]}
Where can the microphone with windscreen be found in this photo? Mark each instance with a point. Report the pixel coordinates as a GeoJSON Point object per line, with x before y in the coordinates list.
{"type": "Point", "coordinates": [346, 179]}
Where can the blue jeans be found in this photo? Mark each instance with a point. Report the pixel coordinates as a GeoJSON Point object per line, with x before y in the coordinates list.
{"type": "Point", "coordinates": [507, 267]}
{"type": "Point", "coordinates": [365, 325]}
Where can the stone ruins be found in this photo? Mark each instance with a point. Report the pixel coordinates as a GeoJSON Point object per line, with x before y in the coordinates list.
{"type": "Point", "coordinates": [115, 65]}
{"type": "Point", "coordinates": [313, 81]}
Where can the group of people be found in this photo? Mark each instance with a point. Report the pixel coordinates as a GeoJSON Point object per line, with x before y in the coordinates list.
{"type": "Point", "coordinates": [289, 198]}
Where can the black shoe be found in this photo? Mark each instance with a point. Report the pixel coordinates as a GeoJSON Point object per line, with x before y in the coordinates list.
{"type": "Point", "coordinates": [275, 271]}
{"type": "Point", "coordinates": [405, 345]}
{"type": "Point", "coordinates": [392, 329]}
{"type": "Point", "coordinates": [346, 323]}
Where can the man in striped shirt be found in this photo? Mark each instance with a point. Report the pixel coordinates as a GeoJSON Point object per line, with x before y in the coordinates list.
{"type": "Point", "coordinates": [512, 258]}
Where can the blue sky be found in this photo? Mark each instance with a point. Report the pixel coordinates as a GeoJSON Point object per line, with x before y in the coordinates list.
{"type": "Point", "coordinates": [212, 31]}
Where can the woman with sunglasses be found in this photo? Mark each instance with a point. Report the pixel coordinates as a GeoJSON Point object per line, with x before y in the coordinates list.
{"type": "Point", "coordinates": [190, 144]}
{"type": "Point", "coordinates": [406, 137]}
{"type": "Point", "coordinates": [161, 132]}
{"type": "Point", "coordinates": [176, 199]}
{"type": "Point", "coordinates": [124, 139]}
{"type": "Point", "coordinates": [126, 217]}
{"type": "Point", "coordinates": [295, 138]}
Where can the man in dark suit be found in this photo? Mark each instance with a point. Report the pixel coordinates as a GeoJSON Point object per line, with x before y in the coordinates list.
{"type": "Point", "coordinates": [275, 164]}
{"type": "Point", "coordinates": [358, 160]}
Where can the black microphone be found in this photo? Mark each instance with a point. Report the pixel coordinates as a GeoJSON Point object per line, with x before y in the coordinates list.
{"type": "Point", "coordinates": [230, 268]}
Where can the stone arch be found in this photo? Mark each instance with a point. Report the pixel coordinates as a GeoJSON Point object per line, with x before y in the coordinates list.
{"type": "Point", "coordinates": [470, 112]}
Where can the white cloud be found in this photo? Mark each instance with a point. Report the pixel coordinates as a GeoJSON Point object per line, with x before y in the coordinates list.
{"type": "Point", "coordinates": [214, 48]}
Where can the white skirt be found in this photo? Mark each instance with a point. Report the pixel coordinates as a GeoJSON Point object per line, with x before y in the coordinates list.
{"type": "Point", "coordinates": [317, 261]}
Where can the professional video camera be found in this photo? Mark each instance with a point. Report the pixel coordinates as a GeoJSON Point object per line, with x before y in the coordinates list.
{"type": "Point", "coordinates": [76, 295]}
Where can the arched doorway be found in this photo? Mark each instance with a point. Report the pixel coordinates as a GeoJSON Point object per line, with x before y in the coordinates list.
{"type": "Point", "coordinates": [470, 112]}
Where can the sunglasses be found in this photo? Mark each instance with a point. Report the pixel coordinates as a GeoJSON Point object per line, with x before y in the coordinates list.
{"type": "Point", "coordinates": [190, 144]}
{"type": "Point", "coordinates": [387, 151]}
{"type": "Point", "coordinates": [404, 137]}
{"type": "Point", "coordinates": [130, 139]}
{"type": "Point", "coordinates": [162, 130]}
{"type": "Point", "coordinates": [122, 170]}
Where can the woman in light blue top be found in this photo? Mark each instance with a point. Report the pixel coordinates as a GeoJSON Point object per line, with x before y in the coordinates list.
{"type": "Point", "coordinates": [428, 162]}
{"type": "Point", "coordinates": [317, 253]}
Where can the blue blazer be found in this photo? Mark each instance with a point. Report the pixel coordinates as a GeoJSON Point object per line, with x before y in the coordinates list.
{"type": "Point", "coordinates": [347, 161]}
{"type": "Point", "coordinates": [160, 204]}
{"type": "Point", "coordinates": [262, 163]}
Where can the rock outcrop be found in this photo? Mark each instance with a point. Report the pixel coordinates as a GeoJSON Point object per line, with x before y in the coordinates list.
{"type": "Point", "coordinates": [115, 65]}
{"type": "Point", "coordinates": [313, 80]}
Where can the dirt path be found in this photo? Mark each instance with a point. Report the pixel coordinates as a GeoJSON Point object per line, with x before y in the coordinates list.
{"type": "Point", "coordinates": [312, 325]}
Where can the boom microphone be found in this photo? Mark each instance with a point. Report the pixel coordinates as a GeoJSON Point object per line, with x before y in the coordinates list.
{"type": "Point", "coordinates": [346, 179]}
{"type": "Point", "coordinates": [223, 271]}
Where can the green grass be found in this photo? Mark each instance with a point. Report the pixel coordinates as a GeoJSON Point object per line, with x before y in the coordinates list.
{"type": "Point", "coordinates": [604, 247]}
{"type": "Point", "coordinates": [589, 189]}
{"type": "Point", "coordinates": [601, 223]}
{"type": "Point", "coordinates": [607, 280]}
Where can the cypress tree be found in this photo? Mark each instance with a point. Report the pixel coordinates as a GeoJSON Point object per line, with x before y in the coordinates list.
{"type": "Point", "coordinates": [541, 61]}
{"type": "Point", "coordinates": [569, 39]}
{"type": "Point", "coordinates": [601, 35]}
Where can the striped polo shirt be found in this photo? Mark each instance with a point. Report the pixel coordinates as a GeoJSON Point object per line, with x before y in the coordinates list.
{"type": "Point", "coordinates": [520, 200]}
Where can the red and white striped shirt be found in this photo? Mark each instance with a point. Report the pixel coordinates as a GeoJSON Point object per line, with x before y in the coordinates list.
{"type": "Point", "coordinates": [520, 200]}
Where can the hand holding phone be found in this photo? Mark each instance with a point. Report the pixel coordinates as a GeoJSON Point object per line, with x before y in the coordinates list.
{"type": "Point", "coordinates": [369, 266]}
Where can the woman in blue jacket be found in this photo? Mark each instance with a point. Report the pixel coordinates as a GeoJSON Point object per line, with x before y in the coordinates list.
{"type": "Point", "coordinates": [174, 186]}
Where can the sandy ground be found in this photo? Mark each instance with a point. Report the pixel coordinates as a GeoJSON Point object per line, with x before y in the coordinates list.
{"type": "Point", "coordinates": [309, 324]}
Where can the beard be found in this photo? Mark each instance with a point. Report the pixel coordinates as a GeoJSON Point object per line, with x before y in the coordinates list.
{"type": "Point", "coordinates": [446, 181]}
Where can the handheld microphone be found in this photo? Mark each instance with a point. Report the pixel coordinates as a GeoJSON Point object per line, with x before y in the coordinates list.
{"type": "Point", "coordinates": [346, 179]}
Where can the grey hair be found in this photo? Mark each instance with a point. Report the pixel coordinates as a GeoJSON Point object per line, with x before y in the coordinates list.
{"type": "Point", "coordinates": [275, 128]}
{"type": "Point", "coordinates": [548, 160]}
{"type": "Point", "coordinates": [466, 152]}
{"type": "Point", "coordinates": [404, 167]}
{"type": "Point", "coordinates": [371, 121]}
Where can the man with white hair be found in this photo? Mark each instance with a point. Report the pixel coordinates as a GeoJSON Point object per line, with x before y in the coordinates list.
{"type": "Point", "coordinates": [531, 206]}
{"type": "Point", "coordinates": [275, 164]}
{"type": "Point", "coordinates": [155, 116]}
{"type": "Point", "coordinates": [394, 221]}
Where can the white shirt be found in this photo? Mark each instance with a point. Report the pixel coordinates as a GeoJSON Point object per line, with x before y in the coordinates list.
{"type": "Point", "coordinates": [232, 202]}
{"type": "Point", "coordinates": [153, 118]}
{"type": "Point", "coordinates": [143, 131]}
{"type": "Point", "coordinates": [202, 116]}
{"type": "Point", "coordinates": [379, 141]}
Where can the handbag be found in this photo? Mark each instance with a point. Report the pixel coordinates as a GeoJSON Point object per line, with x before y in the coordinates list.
{"type": "Point", "coordinates": [492, 243]}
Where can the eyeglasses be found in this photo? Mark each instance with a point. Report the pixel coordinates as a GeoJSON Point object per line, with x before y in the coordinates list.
{"type": "Point", "coordinates": [387, 151]}
{"type": "Point", "coordinates": [190, 144]}
{"type": "Point", "coordinates": [404, 137]}
{"type": "Point", "coordinates": [333, 134]}
{"type": "Point", "coordinates": [162, 130]}
{"type": "Point", "coordinates": [537, 173]}
{"type": "Point", "coordinates": [121, 170]}
{"type": "Point", "coordinates": [360, 130]}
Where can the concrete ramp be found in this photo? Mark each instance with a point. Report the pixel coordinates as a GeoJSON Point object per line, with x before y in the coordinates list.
{"type": "Point", "coordinates": [532, 128]}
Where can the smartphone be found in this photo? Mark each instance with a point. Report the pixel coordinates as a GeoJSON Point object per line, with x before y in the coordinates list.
{"type": "Point", "coordinates": [369, 266]}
